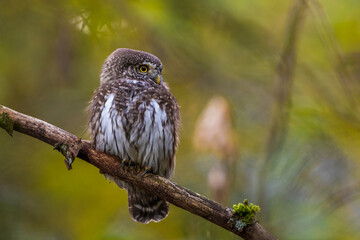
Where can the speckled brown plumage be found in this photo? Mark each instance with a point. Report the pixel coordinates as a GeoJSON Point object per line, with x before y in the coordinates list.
{"type": "Point", "coordinates": [134, 116]}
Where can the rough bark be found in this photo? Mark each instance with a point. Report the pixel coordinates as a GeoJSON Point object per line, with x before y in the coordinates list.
{"type": "Point", "coordinates": [166, 189]}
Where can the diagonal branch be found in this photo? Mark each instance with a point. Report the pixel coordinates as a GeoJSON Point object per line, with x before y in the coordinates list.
{"type": "Point", "coordinates": [166, 189]}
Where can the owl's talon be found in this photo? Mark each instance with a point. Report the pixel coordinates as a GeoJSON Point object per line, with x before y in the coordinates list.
{"type": "Point", "coordinates": [124, 162]}
{"type": "Point", "coordinates": [145, 172]}
{"type": "Point", "coordinates": [130, 163]}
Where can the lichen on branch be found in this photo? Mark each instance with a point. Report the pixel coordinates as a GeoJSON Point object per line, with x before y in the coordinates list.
{"type": "Point", "coordinates": [6, 123]}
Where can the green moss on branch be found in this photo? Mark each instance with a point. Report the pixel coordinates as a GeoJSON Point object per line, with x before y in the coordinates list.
{"type": "Point", "coordinates": [246, 212]}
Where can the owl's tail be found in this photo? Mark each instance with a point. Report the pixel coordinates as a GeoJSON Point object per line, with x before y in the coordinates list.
{"type": "Point", "coordinates": [145, 207]}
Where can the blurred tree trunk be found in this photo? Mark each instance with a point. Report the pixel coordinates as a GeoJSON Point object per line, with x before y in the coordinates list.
{"type": "Point", "coordinates": [282, 96]}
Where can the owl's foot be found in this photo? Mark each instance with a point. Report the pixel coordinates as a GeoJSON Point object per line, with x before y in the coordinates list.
{"type": "Point", "coordinates": [131, 163]}
{"type": "Point", "coordinates": [126, 164]}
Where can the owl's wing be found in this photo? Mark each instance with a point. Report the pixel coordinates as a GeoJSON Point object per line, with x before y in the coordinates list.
{"type": "Point", "coordinates": [108, 123]}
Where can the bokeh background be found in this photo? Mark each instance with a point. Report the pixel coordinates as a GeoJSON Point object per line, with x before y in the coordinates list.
{"type": "Point", "coordinates": [270, 106]}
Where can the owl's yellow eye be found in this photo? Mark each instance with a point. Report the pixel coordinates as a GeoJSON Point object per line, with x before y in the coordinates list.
{"type": "Point", "coordinates": [143, 68]}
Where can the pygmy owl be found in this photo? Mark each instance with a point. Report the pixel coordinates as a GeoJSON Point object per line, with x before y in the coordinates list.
{"type": "Point", "coordinates": [134, 116]}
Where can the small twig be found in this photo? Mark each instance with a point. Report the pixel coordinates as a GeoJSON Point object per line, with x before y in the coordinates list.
{"type": "Point", "coordinates": [164, 188]}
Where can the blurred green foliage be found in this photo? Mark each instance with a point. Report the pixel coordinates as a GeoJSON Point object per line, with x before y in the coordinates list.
{"type": "Point", "coordinates": [51, 54]}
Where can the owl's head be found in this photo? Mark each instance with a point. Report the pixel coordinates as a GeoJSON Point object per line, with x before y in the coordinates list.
{"type": "Point", "coordinates": [128, 63]}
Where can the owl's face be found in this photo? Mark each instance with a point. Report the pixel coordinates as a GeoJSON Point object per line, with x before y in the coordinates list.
{"type": "Point", "coordinates": [128, 63]}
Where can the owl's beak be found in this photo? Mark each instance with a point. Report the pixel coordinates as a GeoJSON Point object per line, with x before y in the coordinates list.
{"type": "Point", "coordinates": [158, 78]}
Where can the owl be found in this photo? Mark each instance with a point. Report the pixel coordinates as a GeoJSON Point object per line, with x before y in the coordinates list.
{"type": "Point", "coordinates": [134, 116]}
